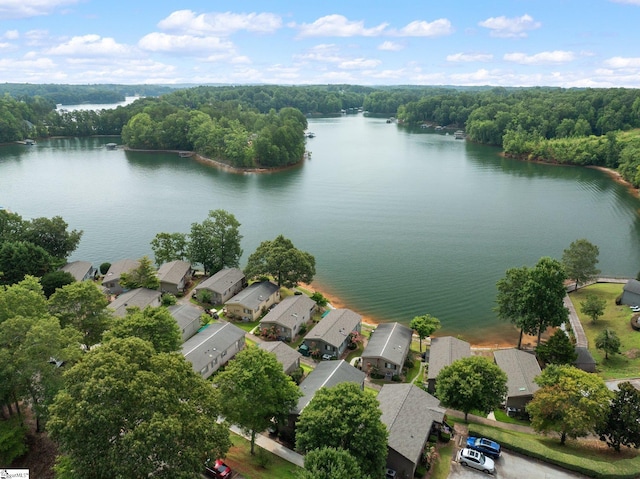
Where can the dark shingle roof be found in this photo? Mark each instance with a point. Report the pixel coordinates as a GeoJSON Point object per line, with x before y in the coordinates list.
{"type": "Point", "coordinates": [139, 297]}
{"type": "Point", "coordinates": [222, 280]}
{"type": "Point", "coordinates": [444, 351]}
{"type": "Point", "coordinates": [78, 269]}
{"type": "Point", "coordinates": [173, 272]}
{"type": "Point", "coordinates": [119, 267]}
{"type": "Point", "coordinates": [390, 341]}
{"type": "Point", "coordinates": [408, 412]}
{"type": "Point", "coordinates": [216, 337]}
{"type": "Point", "coordinates": [521, 368]}
{"type": "Point", "coordinates": [334, 328]}
{"type": "Point", "coordinates": [286, 355]}
{"type": "Point", "coordinates": [633, 286]}
{"type": "Point", "coordinates": [184, 314]}
{"type": "Point", "coordinates": [254, 295]}
{"type": "Point", "coordinates": [287, 312]}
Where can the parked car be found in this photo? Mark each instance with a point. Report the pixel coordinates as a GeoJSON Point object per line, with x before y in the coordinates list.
{"type": "Point", "coordinates": [477, 460]}
{"type": "Point", "coordinates": [327, 357]}
{"type": "Point", "coordinates": [485, 446]}
{"type": "Point", "coordinates": [217, 469]}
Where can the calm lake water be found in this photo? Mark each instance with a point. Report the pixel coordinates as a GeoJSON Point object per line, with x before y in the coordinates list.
{"type": "Point", "coordinates": [401, 222]}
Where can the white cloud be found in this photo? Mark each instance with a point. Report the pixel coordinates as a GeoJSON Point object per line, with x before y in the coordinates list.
{"type": "Point", "coordinates": [163, 42]}
{"type": "Point", "coordinates": [390, 46]}
{"type": "Point", "coordinates": [359, 64]}
{"type": "Point", "coordinates": [338, 26]}
{"type": "Point", "coordinates": [186, 21]}
{"type": "Point", "coordinates": [623, 62]}
{"type": "Point", "coordinates": [541, 58]}
{"type": "Point", "coordinates": [510, 27]}
{"type": "Point", "coordinates": [90, 46]}
{"type": "Point", "coordinates": [37, 38]}
{"type": "Point", "coordinates": [437, 28]}
{"type": "Point", "coordinates": [326, 52]}
{"type": "Point", "coordinates": [30, 8]}
{"type": "Point", "coordinates": [469, 57]}
{"type": "Point", "coordinates": [11, 35]}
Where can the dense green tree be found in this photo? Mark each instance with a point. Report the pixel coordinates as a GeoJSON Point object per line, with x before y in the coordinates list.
{"type": "Point", "coordinates": [424, 326]}
{"type": "Point", "coordinates": [155, 325]}
{"type": "Point", "coordinates": [20, 258]}
{"type": "Point", "coordinates": [608, 341]}
{"type": "Point", "coordinates": [473, 383]}
{"type": "Point", "coordinates": [84, 306]}
{"type": "Point", "coordinates": [253, 390]}
{"type": "Point", "coordinates": [345, 417]}
{"type": "Point", "coordinates": [511, 306]}
{"type": "Point", "coordinates": [215, 243]}
{"type": "Point", "coordinates": [24, 298]}
{"type": "Point", "coordinates": [168, 247]}
{"type": "Point", "coordinates": [144, 276]}
{"type": "Point", "coordinates": [570, 402]}
{"type": "Point", "coordinates": [330, 463]}
{"type": "Point", "coordinates": [319, 299]}
{"type": "Point", "coordinates": [11, 226]}
{"type": "Point", "coordinates": [281, 260]}
{"type": "Point", "coordinates": [579, 261]}
{"type": "Point", "coordinates": [128, 411]}
{"type": "Point", "coordinates": [53, 236]}
{"type": "Point", "coordinates": [593, 307]}
{"type": "Point", "coordinates": [621, 426]}
{"type": "Point", "coordinates": [55, 279]}
{"type": "Point", "coordinates": [558, 349]}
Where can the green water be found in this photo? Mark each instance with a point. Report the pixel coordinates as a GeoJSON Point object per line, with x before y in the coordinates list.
{"type": "Point", "coordinates": [400, 222]}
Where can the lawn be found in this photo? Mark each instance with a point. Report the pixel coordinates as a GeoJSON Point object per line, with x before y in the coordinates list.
{"type": "Point", "coordinates": [616, 318]}
{"type": "Point", "coordinates": [263, 465]}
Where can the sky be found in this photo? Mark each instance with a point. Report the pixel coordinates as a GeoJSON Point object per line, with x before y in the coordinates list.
{"type": "Point", "coordinates": [565, 43]}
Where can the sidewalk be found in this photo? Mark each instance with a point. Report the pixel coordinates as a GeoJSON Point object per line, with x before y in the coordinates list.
{"type": "Point", "coordinates": [270, 445]}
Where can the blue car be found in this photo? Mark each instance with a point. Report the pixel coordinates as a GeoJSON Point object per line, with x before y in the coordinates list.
{"type": "Point", "coordinates": [485, 446]}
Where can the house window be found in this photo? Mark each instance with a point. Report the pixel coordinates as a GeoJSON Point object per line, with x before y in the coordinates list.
{"type": "Point", "coordinates": [328, 347]}
{"type": "Point", "coordinates": [204, 369]}
{"type": "Point", "coordinates": [390, 366]}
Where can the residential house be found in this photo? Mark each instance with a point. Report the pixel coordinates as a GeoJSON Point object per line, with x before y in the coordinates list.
{"type": "Point", "coordinates": [387, 349]}
{"type": "Point", "coordinates": [80, 270]}
{"type": "Point", "coordinates": [213, 347]}
{"type": "Point", "coordinates": [251, 302]}
{"type": "Point", "coordinates": [111, 280]}
{"type": "Point", "coordinates": [223, 285]}
{"type": "Point", "coordinates": [139, 297]}
{"type": "Point", "coordinates": [288, 316]}
{"type": "Point", "coordinates": [325, 375]}
{"type": "Point", "coordinates": [410, 415]}
{"type": "Point", "coordinates": [631, 293]}
{"type": "Point", "coordinates": [188, 319]}
{"type": "Point", "coordinates": [442, 352]}
{"type": "Point", "coordinates": [331, 335]}
{"type": "Point", "coordinates": [174, 276]}
{"type": "Point", "coordinates": [285, 354]}
{"type": "Point", "coordinates": [521, 368]}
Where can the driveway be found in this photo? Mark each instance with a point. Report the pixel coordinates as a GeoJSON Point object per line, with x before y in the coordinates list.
{"type": "Point", "coordinates": [514, 466]}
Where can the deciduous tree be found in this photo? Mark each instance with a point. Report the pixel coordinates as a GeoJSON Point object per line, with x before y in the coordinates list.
{"type": "Point", "coordinates": [608, 341]}
{"type": "Point", "coordinates": [282, 260]}
{"type": "Point", "coordinates": [215, 243]}
{"type": "Point", "coordinates": [570, 402]}
{"type": "Point", "coordinates": [621, 426]}
{"type": "Point", "coordinates": [25, 299]}
{"type": "Point", "coordinates": [330, 463]}
{"type": "Point", "coordinates": [53, 236]}
{"type": "Point", "coordinates": [579, 261]}
{"type": "Point", "coordinates": [472, 383]}
{"type": "Point", "coordinates": [510, 299]}
{"type": "Point", "coordinates": [425, 326]}
{"type": "Point", "coordinates": [155, 325]}
{"type": "Point", "coordinates": [169, 247]}
{"type": "Point", "coordinates": [345, 417]}
{"type": "Point", "coordinates": [593, 307]}
{"type": "Point", "coordinates": [128, 411]}
{"type": "Point", "coordinates": [55, 279]}
{"type": "Point", "coordinates": [21, 258]}
{"type": "Point", "coordinates": [144, 276]}
{"type": "Point", "coordinates": [253, 390]}
{"type": "Point", "coordinates": [558, 349]}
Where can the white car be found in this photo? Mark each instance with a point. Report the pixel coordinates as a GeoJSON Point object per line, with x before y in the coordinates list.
{"type": "Point", "coordinates": [477, 460]}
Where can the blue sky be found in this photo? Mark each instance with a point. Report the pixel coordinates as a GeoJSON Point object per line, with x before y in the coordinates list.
{"type": "Point", "coordinates": [567, 43]}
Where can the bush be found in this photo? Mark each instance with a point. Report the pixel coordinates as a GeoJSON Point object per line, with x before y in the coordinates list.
{"type": "Point", "coordinates": [104, 267]}
{"type": "Point", "coordinates": [303, 329]}
{"type": "Point", "coordinates": [12, 440]}
{"type": "Point", "coordinates": [168, 299]}
{"type": "Point", "coordinates": [396, 378]}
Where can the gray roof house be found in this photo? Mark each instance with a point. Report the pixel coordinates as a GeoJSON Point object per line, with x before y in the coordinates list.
{"type": "Point", "coordinates": [289, 315]}
{"type": "Point", "coordinates": [521, 368]}
{"type": "Point", "coordinates": [111, 280]}
{"type": "Point", "coordinates": [631, 293]}
{"type": "Point", "coordinates": [410, 414]}
{"type": "Point", "coordinates": [174, 276]}
{"type": "Point", "coordinates": [285, 354]}
{"type": "Point", "coordinates": [139, 297]}
{"type": "Point", "coordinates": [331, 335]}
{"type": "Point", "coordinates": [188, 319]}
{"type": "Point", "coordinates": [442, 352]}
{"type": "Point", "coordinates": [387, 349]}
{"type": "Point", "coordinates": [585, 360]}
{"type": "Point", "coordinates": [80, 270]}
{"type": "Point", "coordinates": [213, 347]}
{"type": "Point", "coordinates": [223, 285]}
{"type": "Point", "coordinates": [250, 303]}
{"type": "Point", "coordinates": [325, 375]}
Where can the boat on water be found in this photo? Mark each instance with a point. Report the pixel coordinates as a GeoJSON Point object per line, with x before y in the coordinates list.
{"type": "Point", "coordinates": [111, 146]}
{"type": "Point", "coordinates": [185, 154]}
{"type": "Point", "coordinates": [459, 135]}
{"type": "Point", "coordinates": [310, 134]}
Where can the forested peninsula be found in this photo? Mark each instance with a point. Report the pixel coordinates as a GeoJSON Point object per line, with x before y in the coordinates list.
{"type": "Point", "coordinates": [263, 126]}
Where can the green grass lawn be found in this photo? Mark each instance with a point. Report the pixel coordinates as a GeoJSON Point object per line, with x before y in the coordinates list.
{"type": "Point", "coordinates": [240, 459]}
{"type": "Point", "coordinates": [616, 318]}
{"type": "Point", "coordinates": [442, 466]}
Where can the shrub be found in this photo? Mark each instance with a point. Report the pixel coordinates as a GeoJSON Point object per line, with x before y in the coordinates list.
{"type": "Point", "coordinates": [12, 440]}
{"type": "Point", "coordinates": [303, 329]}
{"type": "Point", "coordinates": [104, 267]}
{"type": "Point", "coordinates": [168, 299]}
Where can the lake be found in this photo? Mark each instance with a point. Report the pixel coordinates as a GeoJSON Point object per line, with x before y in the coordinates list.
{"type": "Point", "coordinates": [401, 222]}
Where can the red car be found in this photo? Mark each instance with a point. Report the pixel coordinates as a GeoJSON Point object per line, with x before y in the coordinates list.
{"type": "Point", "coordinates": [217, 469]}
